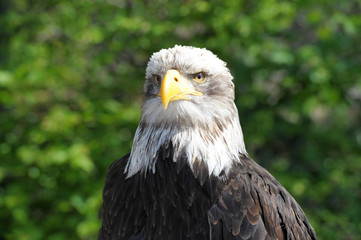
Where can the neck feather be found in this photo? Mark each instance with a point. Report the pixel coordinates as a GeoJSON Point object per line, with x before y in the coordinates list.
{"type": "Point", "coordinates": [218, 144]}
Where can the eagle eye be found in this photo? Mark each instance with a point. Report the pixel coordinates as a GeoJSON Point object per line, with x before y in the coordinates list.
{"type": "Point", "coordinates": [199, 77]}
{"type": "Point", "coordinates": [156, 79]}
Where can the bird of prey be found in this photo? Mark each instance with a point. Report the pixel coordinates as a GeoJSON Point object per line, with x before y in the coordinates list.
{"type": "Point", "coordinates": [188, 175]}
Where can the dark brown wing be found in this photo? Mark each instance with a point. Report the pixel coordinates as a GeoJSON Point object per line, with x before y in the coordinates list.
{"type": "Point", "coordinates": [254, 205]}
{"type": "Point", "coordinates": [117, 192]}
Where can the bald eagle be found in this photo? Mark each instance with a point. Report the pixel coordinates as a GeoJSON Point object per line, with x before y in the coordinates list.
{"type": "Point", "coordinates": [188, 175]}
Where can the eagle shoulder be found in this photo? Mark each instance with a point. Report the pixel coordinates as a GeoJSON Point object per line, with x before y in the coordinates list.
{"type": "Point", "coordinates": [116, 212]}
{"type": "Point", "coordinates": [254, 205]}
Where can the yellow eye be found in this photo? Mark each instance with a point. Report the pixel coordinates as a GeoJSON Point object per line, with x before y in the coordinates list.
{"type": "Point", "coordinates": [199, 77]}
{"type": "Point", "coordinates": [156, 79]}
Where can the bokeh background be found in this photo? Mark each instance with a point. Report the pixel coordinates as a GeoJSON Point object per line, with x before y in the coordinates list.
{"type": "Point", "coordinates": [71, 76]}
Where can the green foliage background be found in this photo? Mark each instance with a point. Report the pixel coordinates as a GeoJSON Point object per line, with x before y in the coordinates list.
{"type": "Point", "coordinates": [71, 75]}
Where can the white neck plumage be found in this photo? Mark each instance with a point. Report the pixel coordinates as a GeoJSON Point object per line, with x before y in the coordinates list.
{"type": "Point", "coordinates": [216, 144]}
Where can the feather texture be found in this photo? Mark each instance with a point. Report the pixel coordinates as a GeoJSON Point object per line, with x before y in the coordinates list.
{"type": "Point", "coordinates": [250, 204]}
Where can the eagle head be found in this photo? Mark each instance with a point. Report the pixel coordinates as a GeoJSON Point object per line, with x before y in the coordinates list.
{"type": "Point", "coordinates": [188, 105]}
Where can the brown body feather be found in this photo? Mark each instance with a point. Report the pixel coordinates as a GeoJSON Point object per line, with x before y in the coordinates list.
{"type": "Point", "coordinates": [176, 203]}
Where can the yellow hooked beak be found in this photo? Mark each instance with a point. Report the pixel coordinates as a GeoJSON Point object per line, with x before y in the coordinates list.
{"type": "Point", "coordinates": [175, 87]}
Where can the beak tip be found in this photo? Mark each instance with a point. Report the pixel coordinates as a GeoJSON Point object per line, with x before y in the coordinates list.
{"type": "Point", "coordinates": [165, 106]}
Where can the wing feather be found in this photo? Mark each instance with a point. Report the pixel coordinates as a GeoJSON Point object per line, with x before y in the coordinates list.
{"type": "Point", "coordinates": [117, 213]}
{"type": "Point", "coordinates": [253, 205]}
